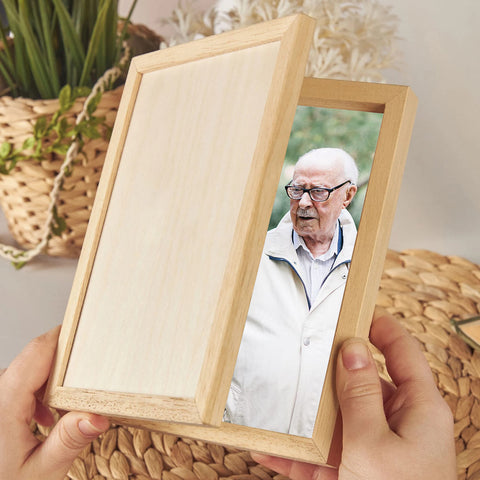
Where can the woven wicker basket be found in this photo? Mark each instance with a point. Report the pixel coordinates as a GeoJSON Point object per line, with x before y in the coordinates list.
{"type": "Point", "coordinates": [423, 290]}
{"type": "Point", "coordinates": [24, 193]}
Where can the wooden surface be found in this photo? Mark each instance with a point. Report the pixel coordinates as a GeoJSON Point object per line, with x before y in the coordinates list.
{"type": "Point", "coordinates": [399, 106]}
{"type": "Point", "coordinates": [170, 226]}
{"type": "Point", "coordinates": [253, 219]}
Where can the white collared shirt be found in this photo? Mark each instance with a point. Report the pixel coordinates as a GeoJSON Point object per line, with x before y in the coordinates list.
{"type": "Point", "coordinates": [315, 270]}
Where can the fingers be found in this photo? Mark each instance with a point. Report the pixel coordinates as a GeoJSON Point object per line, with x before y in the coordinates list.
{"type": "Point", "coordinates": [417, 397]}
{"type": "Point", "coordinates": [29, 371]}
{"type": "Point", "coordinates": [67, 439]}
{"type": "Point", "coordinates": [43, 415]}
{"type": "Point", "coordinates": [388, 390]}
{"type": "Point", "coordinates": [296, 470]}
{"type": "Point", "coordinates": [359, 392]}
{"type": "Point", "coordinates": [404, 360]}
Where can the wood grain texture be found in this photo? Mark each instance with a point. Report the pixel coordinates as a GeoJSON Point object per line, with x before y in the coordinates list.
{"type": "Point", "coordinates": [240, 39]}
{"type": "Point", "coordinates": [128, 404]}
{"type": "Point", "coordinates": [253, 219]}
{"type": "Point", "coordinates": [92, 235]}
{"type": "Point", "coordinates": [238, 436]}
{"type": "Point", "coordinates": [346, 95]}
{"type": "Point", "coordinates": [170, 225]}
{"type": "Point", "coordinates": [373, 233]}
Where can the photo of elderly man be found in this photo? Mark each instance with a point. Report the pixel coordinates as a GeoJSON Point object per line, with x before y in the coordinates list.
{"type": "Point", "coordinates": [288, 335]}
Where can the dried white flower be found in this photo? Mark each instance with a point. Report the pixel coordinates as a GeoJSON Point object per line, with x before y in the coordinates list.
{"type": "Point", "coordinates": [353, 39]}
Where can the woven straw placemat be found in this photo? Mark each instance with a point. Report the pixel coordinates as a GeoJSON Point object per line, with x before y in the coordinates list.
{"type": "Point", "coordinates": [423, 290]}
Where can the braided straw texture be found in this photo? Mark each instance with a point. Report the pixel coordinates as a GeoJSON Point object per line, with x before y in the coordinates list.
{"type": "Point", "coordinates": [423, 290]}
{"type": "Point", "coordinates": [24, 193]}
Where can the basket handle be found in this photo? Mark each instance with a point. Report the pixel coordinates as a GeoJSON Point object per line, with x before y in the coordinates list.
{"type": "Point", "coordinates": [20, 257]}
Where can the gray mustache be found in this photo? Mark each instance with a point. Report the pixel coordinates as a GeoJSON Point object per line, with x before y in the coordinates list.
{"type": "Point", "coordinates": [306, 212]}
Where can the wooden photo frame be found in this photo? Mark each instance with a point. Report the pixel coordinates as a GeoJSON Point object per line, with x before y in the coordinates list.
{"type": "Point", "coordinates": [163, 285]}
{"type": "Point", "coordinates": [291, 322]}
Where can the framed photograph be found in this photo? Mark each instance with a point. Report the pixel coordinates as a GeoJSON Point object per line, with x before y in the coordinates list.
{"type": "Point", "coordinates": [291, 322]}
{"type": "Point", "coordinates": [164, 283]}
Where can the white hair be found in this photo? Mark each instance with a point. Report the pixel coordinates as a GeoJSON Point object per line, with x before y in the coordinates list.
{"type": "Point", "coordinates": [350, 168]}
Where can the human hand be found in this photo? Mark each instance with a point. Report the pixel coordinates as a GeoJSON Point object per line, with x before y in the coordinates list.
{"type": "Point", "coordinates": [23, 456]}
{"type": "Point", "coordinates": [402, 431]}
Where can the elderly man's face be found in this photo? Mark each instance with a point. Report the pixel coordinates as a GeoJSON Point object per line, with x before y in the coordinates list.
{"type": "Point", "coordinates": [315, 221]}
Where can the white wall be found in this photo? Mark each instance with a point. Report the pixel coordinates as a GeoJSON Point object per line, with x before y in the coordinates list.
{"type": "Point", "coordinates": [439, 207]}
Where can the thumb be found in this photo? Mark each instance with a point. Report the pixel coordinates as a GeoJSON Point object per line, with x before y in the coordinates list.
{"type": "Point", "coordinates": [359, 393]}
{"type": "Point", "coordinates": [69, 437]}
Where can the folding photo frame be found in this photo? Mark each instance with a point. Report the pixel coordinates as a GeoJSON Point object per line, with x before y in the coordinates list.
{"type": "Point", "coordinates": [163, 285]}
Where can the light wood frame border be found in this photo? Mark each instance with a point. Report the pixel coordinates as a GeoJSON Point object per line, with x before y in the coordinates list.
{"type": "Point", "coordinates": [398, 105]}
{"type": "Point", "coordinates": [292, 35]}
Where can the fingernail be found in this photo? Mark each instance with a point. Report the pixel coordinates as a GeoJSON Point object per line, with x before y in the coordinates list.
{"type": "Point", "coordinates": [88, 429]}
{"type": "Point", "coordinates": [355, 355]}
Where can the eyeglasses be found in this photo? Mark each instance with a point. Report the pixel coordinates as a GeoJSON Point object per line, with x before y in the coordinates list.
{"type": "Point", "coordinates": [317, 194]}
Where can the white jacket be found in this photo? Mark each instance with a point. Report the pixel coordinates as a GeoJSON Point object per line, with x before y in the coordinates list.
{"type": "Point", "coordinates": [286, 345]}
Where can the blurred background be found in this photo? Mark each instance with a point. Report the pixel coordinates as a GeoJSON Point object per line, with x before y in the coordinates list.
{"type": "Point", "coordinates": [354, 132]}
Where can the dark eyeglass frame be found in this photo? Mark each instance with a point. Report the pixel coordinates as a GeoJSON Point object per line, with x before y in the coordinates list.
{"type": "Point", "coordinates": [314, 189]}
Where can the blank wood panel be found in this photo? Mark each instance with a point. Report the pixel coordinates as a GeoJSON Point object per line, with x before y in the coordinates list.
{"type": "Point", "coordinates": [170, 225]}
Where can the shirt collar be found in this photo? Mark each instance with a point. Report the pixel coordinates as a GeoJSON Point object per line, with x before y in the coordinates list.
{"type": "Point", "coordinates": [299, 242]}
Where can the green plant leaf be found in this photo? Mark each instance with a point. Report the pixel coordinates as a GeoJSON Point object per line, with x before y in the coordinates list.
{"type": "Point", "coordinates": [95, 42]}
{"type": "Point", "coordinates": [6, 49]}
{"type": "Point", "coordinates": [71, 39]}
{"type": "Point", "coordinates": [59, 42]}
{"type": "Point", "coordinates": [40, 127]}
{"type": "Point", "coordinates": [58, 225]}
{"type": "Point", "coordinates": [8, 164]}
{"type": "Point", "coordinates": [93, 104]}
{"type": "Point", "coordinates": [28, 143]}
{"type": "Point", "coordinates": [65, 98]}
{"type": "Point", "coordinates": [7, 65]}
{"type": "Point", "coordinates": [61, 128]}
{"type": "Point", "coordinates": [61, 149]}
{"type": "Point", "coordinates": [5, 149]}
{"type": "Point", "coordinates": [34, 53]}
{"type": "Point", "coordinates": [123, 33]}
{"type": "Point", "coordinates": [110, 38]}
{"type": "Point", "coordinates": [89, 131]}
{"type": "Point", "coordinates": [8, 75]}
{"type": "Point", "coordinates": [21, 61]}
{"type": "Point", "coordinates": [19, 265]}
{"type": "Point", "coordinates": [81, 92]}
{"type": "Point", "coordinates": [48, 42]}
